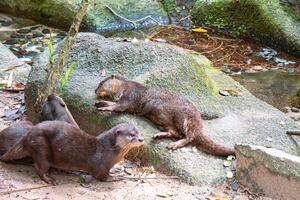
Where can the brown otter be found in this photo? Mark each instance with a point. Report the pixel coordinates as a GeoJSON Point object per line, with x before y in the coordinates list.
{"type": "Point", "coordinates": [174, 113]}
{"type": "Point", "coordinates": [54, 108]}
{"type": "Point", "coordinates": [60, 145]}
{"type": "Point", "coordinates": [11, 135]}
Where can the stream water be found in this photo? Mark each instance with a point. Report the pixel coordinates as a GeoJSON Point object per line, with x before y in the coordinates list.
{"type": "Point", "coordinates": [275, 87]}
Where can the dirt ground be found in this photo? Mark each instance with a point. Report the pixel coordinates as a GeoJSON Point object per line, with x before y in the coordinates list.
{"type": "Point", "coordinates": [21, 181]}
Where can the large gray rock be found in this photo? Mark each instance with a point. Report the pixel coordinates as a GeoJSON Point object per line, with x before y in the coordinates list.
{"type": "Point", "coordinates": [269, 171]}
{"type": "Point", "coordinates": [275, 22]}
{"type": "Point", "coordinates": [60, 13]}
{"type": "Point", "coordinates": [10, 63]}
{"type": "Point", "coordinates": [246, 119]}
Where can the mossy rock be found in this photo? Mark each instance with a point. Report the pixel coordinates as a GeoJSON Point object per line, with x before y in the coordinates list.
{"type": "Point", "coordinates": [60, 13]}
{"type": "Point", "coordinates": [275, 22]}
{"type": "Point", "coordinates": [245, 118]}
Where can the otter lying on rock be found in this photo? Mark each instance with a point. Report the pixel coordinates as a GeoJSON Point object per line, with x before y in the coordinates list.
{"type": "Point", "coordinates": [174, 113]}
{"type": "Point", "coordinates": [54, 108]}
{"type": "Point", "coordinates": [63, 146]}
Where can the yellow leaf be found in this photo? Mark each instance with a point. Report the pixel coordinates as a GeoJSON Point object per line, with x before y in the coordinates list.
{"type": "Point", "coordinates": [199, 30]}
{"type": "Point", "coordinates": [218, 197]}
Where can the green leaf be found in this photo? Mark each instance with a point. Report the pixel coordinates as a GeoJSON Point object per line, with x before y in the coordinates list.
{"type": "Point", "coordinates": [50, 47]}
{"type": "Point", "coordinates": [65, 77]}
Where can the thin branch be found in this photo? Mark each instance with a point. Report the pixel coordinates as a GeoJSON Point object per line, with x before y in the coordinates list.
{"type": "Point", "coordinates": [134, 22]}
{"type": "Point", "coordinates": [53, 75]}
{"type": "Point", "coordinates": [24, 189]}
{"type": "Point", "coordinates": [141, 178]}
{"type": "Point", "coordinates": [293, 132]}
{"type": "Point", "coordinates": [12, 67]}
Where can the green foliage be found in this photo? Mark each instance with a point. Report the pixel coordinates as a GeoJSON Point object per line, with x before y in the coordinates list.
{"type": "Point", "coordinates": [70, 67]}
{"type": "Point", "coordinates": [168, 4]}
{"type": "Point", "coordinates": [65, 77]}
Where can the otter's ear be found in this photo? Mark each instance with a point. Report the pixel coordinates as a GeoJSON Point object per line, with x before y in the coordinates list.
{"type": "Point", "coordinates": [50, 97]}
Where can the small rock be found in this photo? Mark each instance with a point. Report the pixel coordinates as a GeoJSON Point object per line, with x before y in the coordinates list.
{"type": "Point", "coordinates": [26, 60]}
{"type": "Point", "coordinates": [134, 41]}
{"type": "Point", "coordinates": [290, 70]}
{"type": "Point", "coordinates": [248, 61]}
{"type": "Point", "coordinates": [257, 68]}
{"type": "Point", "coordinates": [35, 27]}
{"type": "Point", "coordinates": [16, 35]}
{"type": "Point", "coordinates": [226, 69]}
{"type": "Point", "coordinates": [160, 40]}
{"type": "Point", "coordinates": [61, 34]}
{"type": "Point", "coordinates": [46, 31]}
{"type": "Point", "coordinates": [233, 185]}
{"type": "Point", "coordinates": [286, 109]}
{"type": "Point", "coordinates": [5, 23]}
{"type": "Point", "coordinates": [24, 31]}
{"type": "Point", "coordinates": [250, 71]}
{"type": "Point", "coordinates": [235, 69]}
{"type": "Point", "coordinates": [269, 139]}
{"type": "Point", "coordinates": [37, 34]}
{"type": "Point", "coordinates": [229, 174]}
{"type": "Point", "coordinates": [294, 109]}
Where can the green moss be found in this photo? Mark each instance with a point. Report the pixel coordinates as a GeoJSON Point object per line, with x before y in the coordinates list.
{"type": "Point", "coordinates": [198, 76]}
{"type": "Point", "coordinates": [168, 5]}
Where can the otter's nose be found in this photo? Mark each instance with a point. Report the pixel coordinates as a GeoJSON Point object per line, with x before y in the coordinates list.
{"type": "Point", "coordinates": [96, 91]}
{"type": "Point", "coordinates": [140, 139]}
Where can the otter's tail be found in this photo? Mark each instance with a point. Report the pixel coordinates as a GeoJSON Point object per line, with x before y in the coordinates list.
{"type": "Point", "coordinates": [206, 144]}
{"type": "Point", "coordinates": [16, 152]}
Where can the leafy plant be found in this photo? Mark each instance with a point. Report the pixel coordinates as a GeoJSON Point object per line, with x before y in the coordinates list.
{"type": "Point", "coordinates": [65, 77]}
{"type": "Point", "coordinates": [70, 67]}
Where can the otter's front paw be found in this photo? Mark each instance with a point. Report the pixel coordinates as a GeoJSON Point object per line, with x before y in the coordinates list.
{"type": "Point", "coordinates": [173, 145]}
{"type": "Point", "coordinates": [104, 109]}
{"type": "Point", "coordinates": [48, 179]}
{"type": "Point", "coordinates": [101, 104]}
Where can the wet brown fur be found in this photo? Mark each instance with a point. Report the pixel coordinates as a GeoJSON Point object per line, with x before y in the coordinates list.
{"type": "Point", "coordinates": [175, 114]}
{"type": "Point", "coordinates": [54, 108]}
{"type": "Point", "coordinates": [63, 146]}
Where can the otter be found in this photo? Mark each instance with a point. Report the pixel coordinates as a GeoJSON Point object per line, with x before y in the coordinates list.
{"type": "Point", "coordinates": [63, 146]}
{"type": "Point", "coordinates": [177, 116]}
{"type": "Point", "coordinates": [53, 108]}
{"type": "Point", "coordinates": [11, 135]}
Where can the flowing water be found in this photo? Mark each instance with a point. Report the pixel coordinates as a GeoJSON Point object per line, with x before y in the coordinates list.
{"type": "Point", "coordinates": [275, 87]}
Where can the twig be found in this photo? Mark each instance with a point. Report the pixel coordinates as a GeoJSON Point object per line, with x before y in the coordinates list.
{"type": "Point", "coordinates": [53, 75]}
{"type": "Point", "coordinates": [24, 189]}
{"type": "Point", "coordinates": [12, 67]}
{"type": "Point", "coordinates": [142, 178]}
{"type": "Point", "coordinates": [293, 132]}
{"type": "Point", "coordinates": [213, 49]}
{"type": "Point", "coordinates": [134, 22]}
{"type": "Point", "coordinates": [126, 194]}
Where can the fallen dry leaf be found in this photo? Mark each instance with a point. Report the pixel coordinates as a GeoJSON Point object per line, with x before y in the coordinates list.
{"type": "Point", "coordinates": [230, 92]}
{"type": "Point", "coordinates": [217, 197]}
{"type": "Point", "coordinates": [199, 30]}
{"type": "Point", "coordinates": [10, 79]}
{"type": "Point", "coordinates": [165, 195]}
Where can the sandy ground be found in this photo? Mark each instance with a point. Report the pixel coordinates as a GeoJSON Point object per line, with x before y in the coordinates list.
{"type": "Point", "coordinates": [21, 181]}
